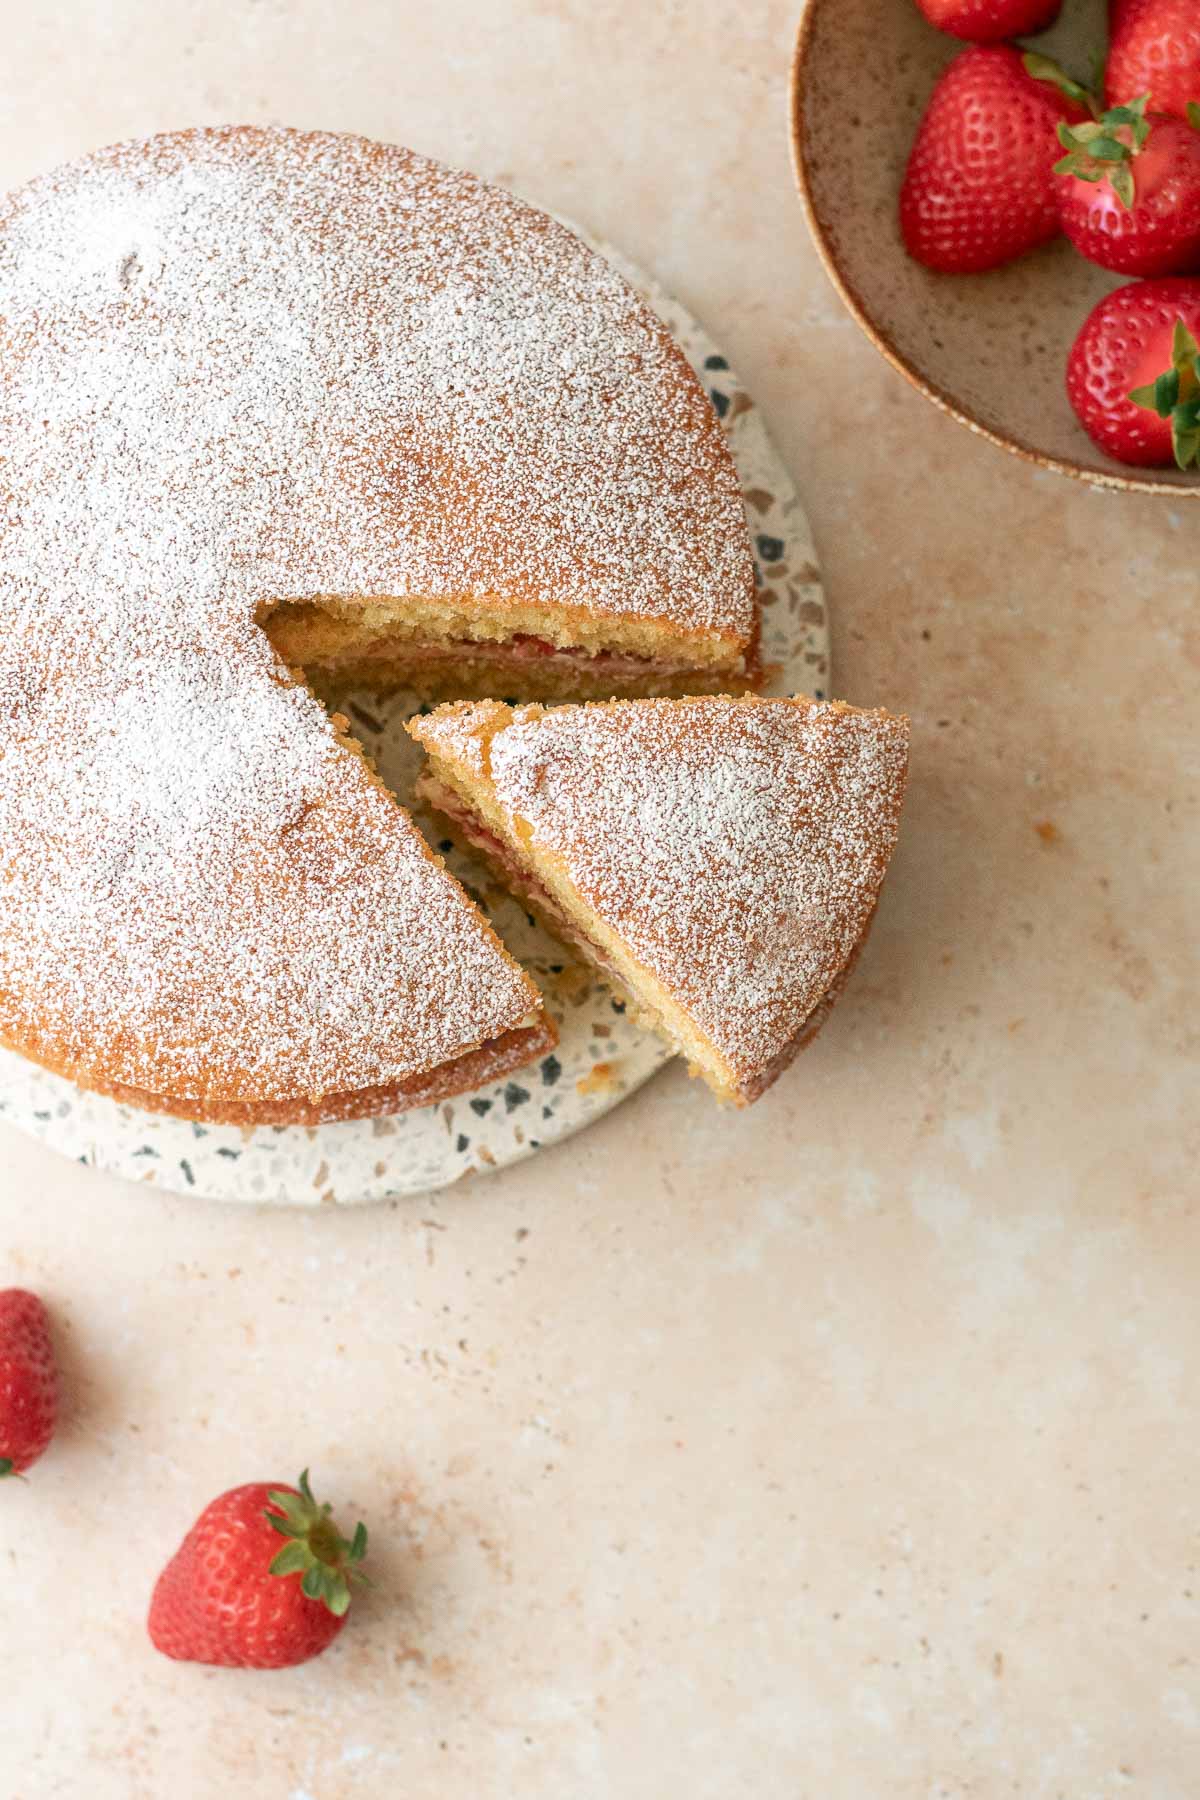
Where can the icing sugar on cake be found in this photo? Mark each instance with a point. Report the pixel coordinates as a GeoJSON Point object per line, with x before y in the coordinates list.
{"type": "Point", "coordinates": [735, 847]}
{"type": "Point", "coordinates": [243, 366]}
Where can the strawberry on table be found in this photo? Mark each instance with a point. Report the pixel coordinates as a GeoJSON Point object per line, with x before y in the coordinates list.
{"type": "Point", "coordinates": [1129, 190]}
{"type": "Point", "coordinates": [979, 189]}
{"type": "Point", "coordinates": [1154, 48]}
{"type": "Point", "coordinates": [990, 21]}
{"type": "Point", "coordinates": [28, 1381]}
{"type": "Point", "coordinates": [232, 1594]}
{"type": "Point", "coordinates": [1133, 376]}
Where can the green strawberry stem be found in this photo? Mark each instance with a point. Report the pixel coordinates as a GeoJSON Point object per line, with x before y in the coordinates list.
{"type": "Point", "coordinates": [1104, 148]}
{"type": "Point", "coordinates": [1175, 395]}
{"type": "Point", "coordinates": [316, 1550]}
{"type": "Point", "coordinates": [1044, 68]}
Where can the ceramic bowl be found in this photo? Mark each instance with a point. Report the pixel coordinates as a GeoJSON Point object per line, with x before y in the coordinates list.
{"type": "Point", "coordinates": [989, 349]}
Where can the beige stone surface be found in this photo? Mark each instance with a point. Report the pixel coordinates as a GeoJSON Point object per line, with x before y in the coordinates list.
{"type": "Point", "coordinates": [840, 1450]}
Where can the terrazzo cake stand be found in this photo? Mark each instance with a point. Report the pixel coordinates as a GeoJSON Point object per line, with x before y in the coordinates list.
{"type": "Point", "coordinates": [602, 1056]}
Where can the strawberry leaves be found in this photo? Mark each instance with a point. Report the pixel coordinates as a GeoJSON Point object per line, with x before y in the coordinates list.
{"type": "Point", "coordinates": [1104, 148]}
{"type": "Point", "coordinates": [316, 1550]}
{"type": "Point", "coordinates": [1175, 395]}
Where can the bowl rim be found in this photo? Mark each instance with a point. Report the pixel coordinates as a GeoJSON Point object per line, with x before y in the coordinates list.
{"type": "Point", "coordinates": [1113, 478]}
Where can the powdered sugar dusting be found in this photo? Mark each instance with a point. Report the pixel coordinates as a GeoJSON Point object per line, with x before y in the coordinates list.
{"type": "Point", "coordinates": [263, 364]}
{"type": "Point", "coordinates": [738, 846]}
{"type": "Point", "coordinates": [460, 730]}
{"type": "Point", "coordinates": [245, 365]}
{"type": "Point", "coordinates": [206, 897]}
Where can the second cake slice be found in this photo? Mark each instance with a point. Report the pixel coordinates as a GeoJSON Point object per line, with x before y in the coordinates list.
{"type": "Point", "coordinates": [718, 860]}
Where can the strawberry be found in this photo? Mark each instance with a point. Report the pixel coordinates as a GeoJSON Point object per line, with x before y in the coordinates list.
{"type": "Point", "coordinates": [979, 188]}
{"type": "Point", "coordinates": [990, 21]}
{"type": "Point", "coordinates": [28, 1381]}
{"type": "Point", "coordinates": [232, 1595]}
{"type": "Point", "coordinates": [1129, 191]}
{"type": "Point", "coordinates": [1154, 48]}
{"type": "Point", "coordinates": [1133, 376]}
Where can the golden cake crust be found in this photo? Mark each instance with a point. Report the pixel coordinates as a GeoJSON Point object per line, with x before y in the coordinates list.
{"type": "Point", "coordinates": [477, 1068]}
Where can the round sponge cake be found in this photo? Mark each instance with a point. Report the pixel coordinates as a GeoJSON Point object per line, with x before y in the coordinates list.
{"type": "Point", "coordinates": [248, 368]}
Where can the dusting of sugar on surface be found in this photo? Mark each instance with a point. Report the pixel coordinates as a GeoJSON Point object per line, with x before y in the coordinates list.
{"type": "Point", "coordinates": [737, 847]}
{"type": "Point", "coordinates": [241, 366]}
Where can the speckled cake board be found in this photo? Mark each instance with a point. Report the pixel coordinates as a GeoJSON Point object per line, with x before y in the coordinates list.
{"type": "Point", "coordinates": [602, 1057]}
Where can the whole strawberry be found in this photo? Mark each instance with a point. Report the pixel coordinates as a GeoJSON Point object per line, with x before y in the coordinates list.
{"type": "Point", "coordinates": [1133, 375]}
{"type": "Point", "coordinates": [28, 1381]}
{"type": "Point", "coordinates": [232, 1595]}
{"type": "Point", "coordinates": [1154, 48]}
{"type": "Point", "coordinates": [990, 21]}
{"type": "Point", "coordinates": [979, 188]}
{"type": "Point", "coordinates": [1129, 191]}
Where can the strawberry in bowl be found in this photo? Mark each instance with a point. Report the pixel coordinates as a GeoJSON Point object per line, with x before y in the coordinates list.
{"type": "Point", "coordinates": [990, 21]}
{"type": "Point", "coordinates": [1129, 190]}
{"type": "Point", "coordinates": [1133, 375]}
{"type": "Point", "coordinates": [1154, 49]}
{"type": "Point", "coordinates": [979, 189]}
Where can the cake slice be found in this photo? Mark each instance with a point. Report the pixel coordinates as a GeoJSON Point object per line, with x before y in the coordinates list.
{"type": "Point", "coordinates": [718, 860]}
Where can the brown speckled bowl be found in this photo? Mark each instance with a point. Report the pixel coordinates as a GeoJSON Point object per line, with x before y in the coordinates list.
{"type": "Point", "coordinates": [990, 349]}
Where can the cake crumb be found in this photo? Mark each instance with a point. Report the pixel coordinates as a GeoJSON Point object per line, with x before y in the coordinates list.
{"type": "Point", "coordinates": [603, 1076]}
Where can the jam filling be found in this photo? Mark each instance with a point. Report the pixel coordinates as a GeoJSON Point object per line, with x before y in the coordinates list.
{"type": "Point", "coordinates": [516, 651]}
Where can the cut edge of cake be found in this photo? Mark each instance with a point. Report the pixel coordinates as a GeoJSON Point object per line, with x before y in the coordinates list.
{"type": "Point", "coordinates": [474, 647]}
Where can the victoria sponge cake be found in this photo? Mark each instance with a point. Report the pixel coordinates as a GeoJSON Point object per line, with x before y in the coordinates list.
{"type": "Point", "coordinates": [275, 403]}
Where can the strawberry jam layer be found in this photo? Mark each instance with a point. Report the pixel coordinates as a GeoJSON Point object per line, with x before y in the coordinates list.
{"type": "Point", "coordinates": [516, 875]}
{"type": "Point", "coordinates": [515, 652]}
